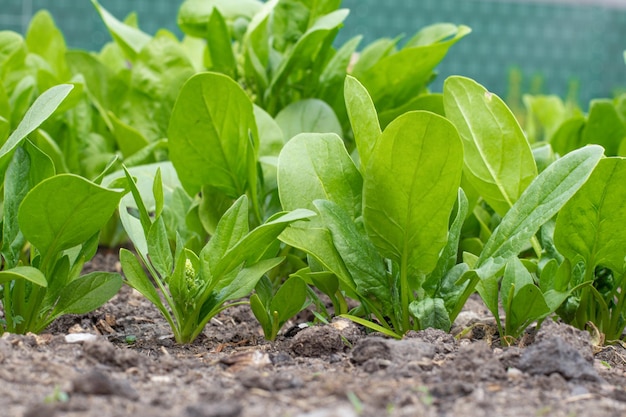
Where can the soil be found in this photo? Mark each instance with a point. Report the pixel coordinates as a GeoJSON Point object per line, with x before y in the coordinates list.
{"type": "Point", "coordinates": [121, 360]}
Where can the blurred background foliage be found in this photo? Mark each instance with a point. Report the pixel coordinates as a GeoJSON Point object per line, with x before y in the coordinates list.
{"type": "Point", "coordinates": [569, 47]}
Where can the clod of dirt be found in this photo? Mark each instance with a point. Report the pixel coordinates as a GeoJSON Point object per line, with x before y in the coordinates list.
{"type": "Point", "coordinates": [554, 355]}
{"type": "Point", "coordinates": [97, 383]}
{"type": "Point", "coordinates": [375, 353]}
{"type": "Point", "coordinates": [48, 410]}
{"type": "Point", "coordinates": [580, 340]}
{"type": "Point", "coordinates": [472, 364]}
{"type": "Point", "coordinates": [442, 341]}
{"type": "Point", "coordinates": [317, 341]}
{"type": "Point", "coordinates": [268, 381]}
{"type": "Point", "coordinates": [104, 352]}
{"type": "Point", "coordinates": [220, 409]}
{"type": "Point", "coordinates": [371, 348]}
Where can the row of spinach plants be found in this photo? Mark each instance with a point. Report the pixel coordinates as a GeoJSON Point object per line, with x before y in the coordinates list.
{"type": "Point", "coordinates": [246, 162]}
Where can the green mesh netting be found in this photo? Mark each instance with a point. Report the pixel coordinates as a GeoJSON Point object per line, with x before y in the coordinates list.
{"type": "Point", "coordinates": [557, 42]}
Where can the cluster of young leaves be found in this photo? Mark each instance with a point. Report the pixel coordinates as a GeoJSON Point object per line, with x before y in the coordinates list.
{"type": "Point", "coordinates": [189, 288]}
{"type": "Point", "coordinates": [50, 228]}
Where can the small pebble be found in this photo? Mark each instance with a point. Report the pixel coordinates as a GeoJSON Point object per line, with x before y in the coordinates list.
{"type": "Point", "coordinates": [80, 337]}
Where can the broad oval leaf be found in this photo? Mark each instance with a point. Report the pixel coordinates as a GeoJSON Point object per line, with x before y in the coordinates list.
{"type": "Point", "coordinates": [64, 211]}
{"type": "Point", "coordinates": [213, 136]}
{"type": "Point", "coordinates": [593, 222]}
{"type": "Point", "coordinates": [498, 160]}
{"type": "Point", "coordinates": [543, 198]}
{"type": "Point", "coordinates": [410, 188]}
{"type": "Point", "coordinates": [317, 166]}
{"type": "Point", "coordinates": [308, 116]}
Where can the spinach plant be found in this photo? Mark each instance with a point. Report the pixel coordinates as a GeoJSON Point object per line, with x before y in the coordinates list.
{"type": "Point", "coordinates": [508, 182]}
{"type": "Point", "coordinates": [50, 228]}
{"type": "Point", "coordinates": [380, 230]}
{"type": "Point", "coordinates": [589, 233]}
{"type": "Point", "coordinates": [190, 288]}
{"type": "Point", "coordinates": [273, 308]}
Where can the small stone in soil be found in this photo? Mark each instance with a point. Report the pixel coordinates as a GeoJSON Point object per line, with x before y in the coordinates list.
{"type": "Point", "coordinates": [331, 412]}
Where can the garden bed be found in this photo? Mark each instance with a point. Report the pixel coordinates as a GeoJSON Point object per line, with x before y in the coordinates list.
{"type": "Point", "coordinates": [133, 367]}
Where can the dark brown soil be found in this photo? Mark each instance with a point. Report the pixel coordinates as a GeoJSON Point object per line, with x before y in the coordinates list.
{"type": "Point", "coordinates": [132, 367]}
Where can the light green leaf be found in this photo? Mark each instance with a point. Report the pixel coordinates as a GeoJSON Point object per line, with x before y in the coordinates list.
{"type": "Point", "coordinates": [593, 222]}
{"type": "Point", "coordinates": [130, 39]}
{"type": "Point", "coordinates": [399, 77]}
{"type": "Point", "coordinates": [318, 167]}
{"type": "Point", "coordinates": [213, 134]}
{"type": "Point", "coordinates": [232, 227]}
{"type": "Point", "coordinates": [159, 248]}
{"type": "Point", "coordinates": [27, 273]}
{"type": "Point", "coordinates": [432, 34]}
{"type": "Point", "coordinates": [46, 40]}
{"type": "Point", "coordinates": [543, 198]}
{"type": "Point", "coordinates": [317, 241]}
{"type": "Point", "coordinates": [498, 159]}
{"type": "Point", "coordinates": [289, 299]}
{"type": "Point", "coordinates": [129, 140]}
{"type": "Point", "coordinates": [604, 127]}
{"type": "Point", "coordinates": [410, 189]}
{"type": "Point", "coordinates": [308, 116]}
{"type": "Point", "coordinates": [144, 176]}
{"type": "Point", "coordinates": [252, 247]}
{"type": "Point", "coordinates": [363, 119]}
{"type": "Point", "coordinates": [64, 211]}
{"type": "Point", "coordinates": [194, 15]}
{"type": "Point", "coordinates": [528, 305]}
{"type": "Point", "coordinates": [242, 283]}
{"type": "Point", "coordinates": [41, 109]}
{"type": "Point", "coordinates": [271, 137]}
{"type": "Point", "coordinates": [219, 45]}
{"type": "Point", "coordinates": [136, 277]}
